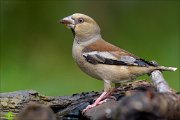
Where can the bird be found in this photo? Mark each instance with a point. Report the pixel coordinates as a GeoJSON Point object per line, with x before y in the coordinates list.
{"type": "Point", "coordinates": [103, 60]}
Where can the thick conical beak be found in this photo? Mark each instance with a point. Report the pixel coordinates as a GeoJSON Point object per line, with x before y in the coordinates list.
{"type": "Point", "coordinates": [68, 21]}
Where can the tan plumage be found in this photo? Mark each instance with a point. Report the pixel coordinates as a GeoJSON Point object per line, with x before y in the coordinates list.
{"type": "Point", "coordinates": [101, 59]}
{"type": "Point", "coordinates": [101, 45]}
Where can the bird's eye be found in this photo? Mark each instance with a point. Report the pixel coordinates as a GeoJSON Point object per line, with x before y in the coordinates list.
{"type": "Point", "coordinates": [80, 20]}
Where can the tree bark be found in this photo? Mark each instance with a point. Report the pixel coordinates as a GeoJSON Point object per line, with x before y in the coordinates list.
{"type": "Point", "coordinates": [137, 100]}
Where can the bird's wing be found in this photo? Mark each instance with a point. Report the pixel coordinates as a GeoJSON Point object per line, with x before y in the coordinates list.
{"type": "Point", "coordinates": [102, 52]}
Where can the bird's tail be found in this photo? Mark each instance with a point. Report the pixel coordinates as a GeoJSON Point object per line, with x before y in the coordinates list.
{"type": "Point", "coordinates": [166, 68]}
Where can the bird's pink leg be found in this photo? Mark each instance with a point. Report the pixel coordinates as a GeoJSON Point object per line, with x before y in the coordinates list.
{"type": "Point", "coordinates": [99, 101]}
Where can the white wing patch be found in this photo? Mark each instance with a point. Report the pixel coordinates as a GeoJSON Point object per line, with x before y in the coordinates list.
{"type": "Point", "coordinates": [101, 54]}
{"type": "Point", "coordinates": [128, 59]}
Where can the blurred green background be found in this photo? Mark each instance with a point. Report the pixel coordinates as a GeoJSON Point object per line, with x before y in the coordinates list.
{"type": "Point", "coordinates": [36, 49]}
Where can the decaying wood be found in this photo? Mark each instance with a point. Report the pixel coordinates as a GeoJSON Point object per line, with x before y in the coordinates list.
{"type": "Point", "coordinates": [159, 82]}
{"type": "Point", "coordinates": [137, 100]}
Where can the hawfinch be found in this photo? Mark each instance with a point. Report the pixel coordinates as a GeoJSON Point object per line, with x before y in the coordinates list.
{"type": "Point", "coordinates": [102, 60]}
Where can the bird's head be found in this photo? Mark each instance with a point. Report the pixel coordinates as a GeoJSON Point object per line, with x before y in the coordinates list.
{"type": "Point", "coordinates": [82, 26]}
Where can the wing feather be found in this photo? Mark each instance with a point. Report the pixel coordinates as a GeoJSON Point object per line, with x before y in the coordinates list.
{"type": "Point", "coordinates": [102, 52]}
{"type": "Point", "coordinates": [96, 57]}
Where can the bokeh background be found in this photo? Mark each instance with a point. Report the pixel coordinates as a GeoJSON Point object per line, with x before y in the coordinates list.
{"type": "Point", "coordinates": [36, 49]}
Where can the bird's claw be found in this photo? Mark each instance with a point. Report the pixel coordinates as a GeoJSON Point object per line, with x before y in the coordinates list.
{"type": "Point", "coordinates": [88, 107]}
{"type": "Point", "coordinates": [94, 105]}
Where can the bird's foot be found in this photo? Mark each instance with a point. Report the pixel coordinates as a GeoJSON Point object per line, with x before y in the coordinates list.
{"type": "Point", "coordinates": [102, 99]}
{"type": "Point", "coordinates": [94, 105]}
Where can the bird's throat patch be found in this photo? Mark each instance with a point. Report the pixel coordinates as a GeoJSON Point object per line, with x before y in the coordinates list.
{"type": "Point", "coordinates": [73, 32]}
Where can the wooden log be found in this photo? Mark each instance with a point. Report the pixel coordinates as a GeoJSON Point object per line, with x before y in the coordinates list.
{"type": "Point", "coordinates": [159, 82]}
{"type": "Point", "coordinates": [135, 100]}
